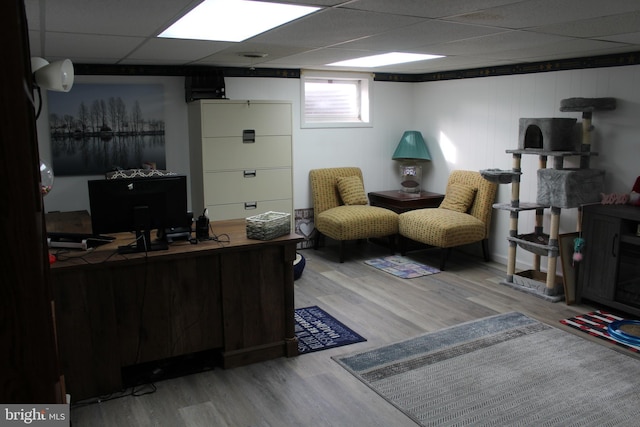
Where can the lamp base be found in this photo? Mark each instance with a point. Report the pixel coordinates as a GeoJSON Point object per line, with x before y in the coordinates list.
{"type": "Point", "coordinates": [411, 177]}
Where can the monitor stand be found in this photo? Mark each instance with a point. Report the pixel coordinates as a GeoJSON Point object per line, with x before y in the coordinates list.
{"type": "Point", "coordinates": [143, 244]}
{"type": "Point", "coordinates": [143, 235]}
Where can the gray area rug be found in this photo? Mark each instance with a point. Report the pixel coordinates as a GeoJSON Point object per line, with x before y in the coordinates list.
{"type": "Point", "coordinates": [503, 370]}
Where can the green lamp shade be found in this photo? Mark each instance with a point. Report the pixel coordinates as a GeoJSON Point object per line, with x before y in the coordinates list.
{"type": "Point", "coordinates": [411, 147]}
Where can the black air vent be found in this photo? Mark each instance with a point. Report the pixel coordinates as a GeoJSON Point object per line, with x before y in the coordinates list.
{"type": "Point", "coordinates": [207, 84]}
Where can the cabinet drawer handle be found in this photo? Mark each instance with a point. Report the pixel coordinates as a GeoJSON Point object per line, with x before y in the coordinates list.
{"type": "Point", "coordinates": [248, 136]}
{"type": "Point", "coordinates": [250, 205]}
{"type": "Point", "coordinates": [249, 174]}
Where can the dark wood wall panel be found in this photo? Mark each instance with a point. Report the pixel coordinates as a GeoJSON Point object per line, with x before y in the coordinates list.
{"type": "Point", "coordinates": [28, 360]}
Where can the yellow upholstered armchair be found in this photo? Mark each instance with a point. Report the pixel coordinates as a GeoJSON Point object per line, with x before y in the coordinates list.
{"type": "Point", "coordinates": [463, 217]}
{"type": "Point", "coordinates": [341, 210]}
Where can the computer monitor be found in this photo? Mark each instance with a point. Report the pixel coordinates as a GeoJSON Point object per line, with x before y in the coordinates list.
{"type": "Point", "coordinates": [139, 205]}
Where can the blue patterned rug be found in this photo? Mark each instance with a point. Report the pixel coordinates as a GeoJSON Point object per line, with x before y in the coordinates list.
{"type": "Point", "coordinates": [506, 369]}
{"type": "Point", "coordinates": [317, 330]}
{"type": "Point", "coordinates": [402, 267]}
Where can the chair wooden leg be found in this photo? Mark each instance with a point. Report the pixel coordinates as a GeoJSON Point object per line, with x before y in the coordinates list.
{"type": "Point", "coordinates": [485, 250]}
{"type": "Point", "coordinates": [316, 242]}
{"type": "Point", "coordinates": [444, 255]}
{"type": "Point", "coordinates": [392, 244]}
{"type": "Point", "coordinates": [343, 244]}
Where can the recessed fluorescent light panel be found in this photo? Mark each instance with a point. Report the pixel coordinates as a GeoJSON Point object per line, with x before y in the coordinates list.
{"type": "Point", "coordinates": [233, 20]}
{"type": "Point", "coordinates": [384, 59]}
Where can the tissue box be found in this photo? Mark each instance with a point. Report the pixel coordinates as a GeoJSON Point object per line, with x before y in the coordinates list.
{"type": "Point", "coordinates": [268, 225]}
{"type": "Point", "coordinates": [569, 188]}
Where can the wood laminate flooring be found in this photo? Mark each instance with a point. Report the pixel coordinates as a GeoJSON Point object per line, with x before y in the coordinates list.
{"type": "Point", "coordinates": [312, 389]}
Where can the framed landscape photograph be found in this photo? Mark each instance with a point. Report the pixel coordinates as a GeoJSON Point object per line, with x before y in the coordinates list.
{"type": "Point", "coordinates": [97, 128]}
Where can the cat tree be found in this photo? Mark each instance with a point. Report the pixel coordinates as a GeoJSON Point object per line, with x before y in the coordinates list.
{"type": "Point", "coordinates": [558, 188]}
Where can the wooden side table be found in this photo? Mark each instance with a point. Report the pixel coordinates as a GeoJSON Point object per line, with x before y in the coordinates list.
{"type": "Point", "coordinates": [399, 201]}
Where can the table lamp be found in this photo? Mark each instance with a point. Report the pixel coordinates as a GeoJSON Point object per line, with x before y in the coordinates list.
{"type": "Point", "coordinates": [411, 150]}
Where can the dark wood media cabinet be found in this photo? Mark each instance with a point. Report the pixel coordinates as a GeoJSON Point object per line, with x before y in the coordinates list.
{"type": "Point", "coordinates": [116, 311]}
{"type": "Point", "coordinates": [610, 271]}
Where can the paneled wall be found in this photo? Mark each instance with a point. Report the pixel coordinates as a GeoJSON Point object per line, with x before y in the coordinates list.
{"type": "Point", "coordinates": [468, 124]}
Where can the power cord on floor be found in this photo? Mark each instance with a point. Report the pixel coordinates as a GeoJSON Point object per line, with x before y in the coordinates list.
{"type": "Point", "coordinates": [135, 391]}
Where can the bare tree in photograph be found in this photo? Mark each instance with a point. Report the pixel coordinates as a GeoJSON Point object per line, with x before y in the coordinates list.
{"type": "Point", "coordinates": [83, 117]}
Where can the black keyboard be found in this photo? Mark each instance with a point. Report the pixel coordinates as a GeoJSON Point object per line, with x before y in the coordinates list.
{"type": "Point", "coordinates": [70, 239]}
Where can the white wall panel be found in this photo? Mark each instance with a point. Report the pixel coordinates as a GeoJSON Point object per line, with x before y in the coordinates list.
{"type": "Point", "coordinates": [480, 119]}
{"type": "Point", "coordinates": [474, 119]}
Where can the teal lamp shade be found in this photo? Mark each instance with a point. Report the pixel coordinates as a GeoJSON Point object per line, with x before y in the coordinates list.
{"type": "Point", "coordinates": [411, 147]}
{"type": "Point", "coordinates": [410, 151]}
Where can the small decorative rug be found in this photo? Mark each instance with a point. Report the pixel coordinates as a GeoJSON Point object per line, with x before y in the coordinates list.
{"type": "Point", "coordinates": [402, 267]}
{"type": "Point", "coordinates": [317, 330]}
{"type": "Point", "coordinates": [506, 369]}
{"type": "Point", "coordinates": [595, 324]}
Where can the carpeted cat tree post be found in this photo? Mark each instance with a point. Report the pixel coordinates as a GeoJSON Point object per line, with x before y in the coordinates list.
{"type": "Point", "coordinates": [587, 106]}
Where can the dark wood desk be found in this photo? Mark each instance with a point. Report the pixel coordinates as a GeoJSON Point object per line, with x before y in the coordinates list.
{"type": "Point", "coordinates": [399, 201]}
{"type": "Point", "coordinates": [115, 311]}
{"type": "Point", "coordinates": [68, 222]}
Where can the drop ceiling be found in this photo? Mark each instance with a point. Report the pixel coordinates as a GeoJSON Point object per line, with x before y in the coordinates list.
{"type": "Point", "coordinates": [470, 33]}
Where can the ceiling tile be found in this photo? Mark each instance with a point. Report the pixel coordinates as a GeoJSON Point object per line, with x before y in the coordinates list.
{"type": "Point", "coordinates": [620, 49]}
{"type": "Point", "coordinates": [535, 13]}
{"type": "Point", "coordinates": [32, 9]}
{"type": "Point", "coordinates": [89, 48]}
{"type": "Point", "coordinates": [508, 40]}
{"type": "Point", "coordinates": [117, 17]}
{"type": "Point", "coordinates": [35, 44]}
{"type": "Point", "coordinates": [426, 8]}
{"type": "Point", "coordinates": [176, 49]}
{"type": "Point", "coordinates": [568, 48]}
{"type": "Point", "coordinates": [307, 2]}
{"type": "Point", "coordinates": [321, 57]}
{"type": "Point", "coordinates": [331, 27]}
{"type": "Point", "coordinates": [236, 53]}
{"type": "Point", "coordinates": [631, 38]}
{"type": "Point", "coordinates": [420, 34]}
{"type": "Point", "coordinates": [457, 63]}
{"type": "Point", "coordinates": [596, 27]}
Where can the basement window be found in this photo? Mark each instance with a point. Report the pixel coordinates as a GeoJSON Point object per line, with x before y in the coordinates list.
{"type": "Point", "coordinates": [336, 100]}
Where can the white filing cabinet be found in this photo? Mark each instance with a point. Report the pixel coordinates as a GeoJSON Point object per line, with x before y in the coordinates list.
{"type": "Point", "coordinates": [241, 157]}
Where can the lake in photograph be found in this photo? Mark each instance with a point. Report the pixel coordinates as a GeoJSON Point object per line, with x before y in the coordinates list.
{"type": "Point", "coordinates": [95, 155]}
